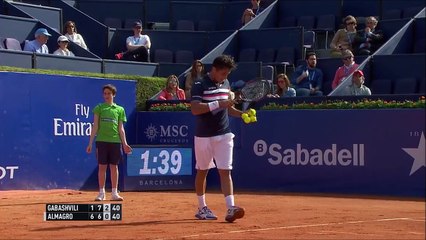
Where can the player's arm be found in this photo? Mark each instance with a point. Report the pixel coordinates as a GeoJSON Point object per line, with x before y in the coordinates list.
{"type": "Point", "coordinates": [95, 128]}
{"type": "Point", "coordinates": [198, 107]}
{"type": "Point", "coordinates": [232, 111]}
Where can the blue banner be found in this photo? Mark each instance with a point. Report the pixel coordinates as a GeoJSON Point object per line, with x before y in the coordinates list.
{"type": "Point", "coordinates": [378, 152]}
{"type": "Point", "coordinates": [45, 128]}
{"type": "Point", "coordinates": [335, 151]}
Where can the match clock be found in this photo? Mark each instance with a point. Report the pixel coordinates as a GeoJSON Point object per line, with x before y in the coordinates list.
{"type": "Point", "coordinates": [159, 161]}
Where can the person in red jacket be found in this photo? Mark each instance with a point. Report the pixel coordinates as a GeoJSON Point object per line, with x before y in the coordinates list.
{"type": "Point", "coordinates": [349, 66]}
{"type": "Point", "coordinates": [172, 90]}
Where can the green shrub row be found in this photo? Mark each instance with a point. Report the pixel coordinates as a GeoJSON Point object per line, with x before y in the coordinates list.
{"type": "Point", "coordinates": [146, 87]}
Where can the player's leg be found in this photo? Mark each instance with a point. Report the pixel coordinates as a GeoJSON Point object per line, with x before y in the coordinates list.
{"type": "Point", "coordinates": [223, 150]}
{"type": "Point", "coordinates": [101, 156]}
{"type": "Point", "coordinates": [113, 160]}
{"type": "Point", "coordinates": [204, 161]}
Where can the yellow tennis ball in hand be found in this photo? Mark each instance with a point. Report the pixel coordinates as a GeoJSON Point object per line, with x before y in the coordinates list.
{"type": "Point", "coordinates": [252, 112]}
{"type": "Point", "coordinates": [253, 119]}
{"type": "Point", "coordinates": [244, 115]}
{"type": "Point", "coordinates": [247, 119]}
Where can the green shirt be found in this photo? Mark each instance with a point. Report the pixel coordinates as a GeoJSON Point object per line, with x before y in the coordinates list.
{"type": "Point", "coordinates": [109, 117]}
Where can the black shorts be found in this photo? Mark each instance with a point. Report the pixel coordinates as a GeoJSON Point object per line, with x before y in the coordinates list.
{"type": "Point", "coordinates": [108, 153]}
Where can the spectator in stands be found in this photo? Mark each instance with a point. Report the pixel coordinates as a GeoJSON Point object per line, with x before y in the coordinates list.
{"type": "Point", "coordinates": [283, 87]}
{"type": "Point", "coordinates": [357, 88]}
{"type": "Point", "coordinates": [251, 12]}
{"type": "Point", "coordinates": [63, 47]}
{"type": "Point", "coordinates": [349, 66]}
{"type": "Point", "coordinates": [307, 79]}
{"type": "Point", "coordinates": [196, 73]}
{"type": "Point", "coordinates": [137, 45]}
{"type": "Point", "coordinates": [369, 39]}
{"type": "Point", "coordinates": [70, 31]}
{"type": "Point", "coordinates": [172, 90]}
{"type": "Point", "coordinates": [344, 37]}
{"type": "Point", "coordinates": [38, 45]}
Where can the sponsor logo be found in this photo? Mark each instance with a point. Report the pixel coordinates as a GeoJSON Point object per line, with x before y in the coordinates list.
{"type": "Point", "coordinates": [8, 172]}
{"type": "Point", "coordinates": [75, 127]}
{"type": "Point", "coordinates": [333, 156]}
{"type": "Point", "coordinates": [418, 153]}
{"type": "Point", "coordinates": [167, 133]}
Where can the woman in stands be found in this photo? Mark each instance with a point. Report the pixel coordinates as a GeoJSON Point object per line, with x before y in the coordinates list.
{"type": "Point", "coordinates": [283, 87]}
{"type": "Point", "coordinates": [344, 37]}
{"type": "Point", "coordinates": [172, 90]}
{"type": "Point", "coordinates": [348, 67]}
{"type": "Point", "coordinates": [70, 31]}
{"type": "Point", "coordinates": [196, 73]}
{"type": "Point", "coordinates": [63, 47]}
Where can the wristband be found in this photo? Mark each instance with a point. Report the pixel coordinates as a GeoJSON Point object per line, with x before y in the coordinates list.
{"type": "Point", "coordinates": [213, 105]}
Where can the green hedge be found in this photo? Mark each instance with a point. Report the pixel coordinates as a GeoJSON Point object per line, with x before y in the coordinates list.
{"type": "Point", "coordinates": [146, 87]}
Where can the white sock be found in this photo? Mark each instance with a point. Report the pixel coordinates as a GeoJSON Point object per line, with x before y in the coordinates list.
{"type": "Point", "coordinates": [102, 190]}
{"type": "Point", "coordinates": [229, 201]}
{"type": "Point", "coordinates": [114, 191]}
{"type": "Point", "coordinates": [201, 201]}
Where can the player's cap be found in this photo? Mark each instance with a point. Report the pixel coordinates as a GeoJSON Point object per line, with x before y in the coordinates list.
{"type": "Point", "coordinates": [137, 24]}
{"type": "Point", "coordinates": [63, 39]}
{"type": "Point", "coordinates": [42, 31]}
{"type": "Point", "coordinates": [359, 73]}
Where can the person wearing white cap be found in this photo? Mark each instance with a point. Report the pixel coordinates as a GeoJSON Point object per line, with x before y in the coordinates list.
{"type": "Point", "coordinates": [38, 45]}
{"type": "Point", "coordinates": [63, 47]}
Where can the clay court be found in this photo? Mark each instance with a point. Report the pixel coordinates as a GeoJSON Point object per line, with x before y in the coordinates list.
{"type": "Point", "coordinates": [170, 215]}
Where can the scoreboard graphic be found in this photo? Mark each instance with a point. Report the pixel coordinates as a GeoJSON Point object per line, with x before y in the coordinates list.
{"type": "Point", "coordinates": [83, 212]}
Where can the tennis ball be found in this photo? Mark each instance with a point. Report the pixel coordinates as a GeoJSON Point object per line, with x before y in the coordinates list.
{"type": "Point", "coordinates": [253, 119]}
{"type": "Point", "coordinates": [252, 112]}
{"type": "Point", "coordinates": [247, 119]}
{"type": "Point", "coordinates": [244, 115]}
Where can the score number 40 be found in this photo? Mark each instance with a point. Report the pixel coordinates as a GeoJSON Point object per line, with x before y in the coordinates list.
{"type": "Point", "coordinates": [175, 160]}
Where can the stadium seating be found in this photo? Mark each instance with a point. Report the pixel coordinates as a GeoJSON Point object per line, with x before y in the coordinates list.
{"type": "Point", "coordinates": [405, 86]}
{"type": "Point", "coordinates": [184, 56]}
{"type": "Point", "coordinates": [391, 14]}
{"type": "Point", "coordinates": [381, 86]}
{"type": "Point", "coordinates": [266, 55]}
{"type": "Point", "coordinates": [163, 56]}
{"type": "Point", "coordinates": [12, 44]}
{"type": "Point", "coordinates": [185, 25]}
{"type": "Point", "coordinates": [247, 55]}
{"type": "Point", "coordinates": [113, 22]}
{"type": "Point", "coordinates": [206, 25]}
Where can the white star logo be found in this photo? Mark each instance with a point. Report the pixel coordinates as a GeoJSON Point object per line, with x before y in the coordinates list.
{"type": "Point", "coordinates": [418, 154]}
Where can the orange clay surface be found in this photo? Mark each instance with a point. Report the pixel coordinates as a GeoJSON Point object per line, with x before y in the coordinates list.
{"type": "Point", "coordinates": [170, 215]}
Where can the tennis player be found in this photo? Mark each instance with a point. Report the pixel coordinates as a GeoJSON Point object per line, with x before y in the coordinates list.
{"type": "Point", "coordinates": [213, 138]}
{"type": "Point", "coordinates": [108, 126]}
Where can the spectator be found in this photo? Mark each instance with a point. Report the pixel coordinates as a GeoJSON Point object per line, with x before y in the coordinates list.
{"type": "Point", "coordinates": [349, 66]}
{"type": "Point", "coordinates": [283, 87]}
{"type": "Point", "coordinates": [172, 90]}
{"type": "Point", "coordinates": [63, 47]}
{"type": "Point", "coordinates": [196, 73]}
{"type": "Point", "coordinates": [307, 79]}
{"type": "Point", "coordinates": [70, 31]}
{"type": "Point", "coordinates": [357, 88]}
{"type": "Point", "coordinates": [369, 39]}
{"type": "Point", "coordinates": [344, 37]}
{"type": "Point", "coordinates": [137, 45]}
{"type": "Point", "coordinates": [251, 12]}
{"type": "Point", "coordinates": [38, 45]}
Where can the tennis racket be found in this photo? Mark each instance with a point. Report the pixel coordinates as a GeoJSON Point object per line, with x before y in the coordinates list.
{"type": "Point", "coordinates": [254, 90]}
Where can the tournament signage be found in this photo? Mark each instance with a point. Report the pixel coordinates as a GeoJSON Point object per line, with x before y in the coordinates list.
{"type": "Point", "coordinates": [46, 122]}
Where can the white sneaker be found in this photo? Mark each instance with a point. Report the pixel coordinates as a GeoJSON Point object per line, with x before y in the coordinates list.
{"type": "Point", "coordinates": [116, 197]}
{"type": "Point", "coordinates": [100, 197]}
{"type": "Point", "coordinates": [234, 213]}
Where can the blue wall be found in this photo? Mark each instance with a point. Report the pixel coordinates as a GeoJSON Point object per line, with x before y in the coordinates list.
{"type": "Point", "coordinates": [35, 110]}
{"type": "Point", "coordinates": [334, 151]}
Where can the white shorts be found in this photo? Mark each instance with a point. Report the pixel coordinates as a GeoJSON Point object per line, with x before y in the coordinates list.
{"type": "Point", "coordinates": [218, 148]}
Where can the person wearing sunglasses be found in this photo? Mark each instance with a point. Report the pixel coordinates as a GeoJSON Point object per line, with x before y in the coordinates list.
{"type": "Point", "coordinates": [369, 39]}
{"type": "Point", "coordinates": [348, 67]}
{"type": "Point", "coordinates": [283, 88]}
{"type": "Point", "coordinates": [172, 90]}
{"type": "Point", "coordinates": [344, 37]}
{"type": "Point", "coordinates": [70, 31]}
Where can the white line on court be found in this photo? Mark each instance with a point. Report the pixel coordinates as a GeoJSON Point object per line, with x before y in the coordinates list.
{"type": "Point", "coordinates": [296, 226]}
